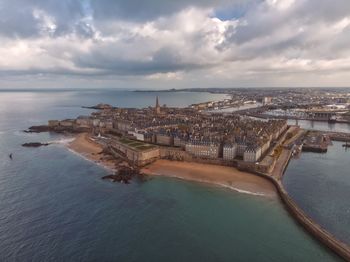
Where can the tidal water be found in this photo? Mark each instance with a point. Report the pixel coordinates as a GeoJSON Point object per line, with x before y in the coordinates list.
{"type": "Point", "coordinates": [55, 207]}
{"type": "Point", "coordinates": [320, 184]}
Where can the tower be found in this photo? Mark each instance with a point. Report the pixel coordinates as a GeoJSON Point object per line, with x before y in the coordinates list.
{"type": "Point", "coordinates": [157, 106]}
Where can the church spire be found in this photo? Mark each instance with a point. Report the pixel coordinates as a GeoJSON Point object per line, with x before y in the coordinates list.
{"type": "Point", "coordinates": [157, 106]}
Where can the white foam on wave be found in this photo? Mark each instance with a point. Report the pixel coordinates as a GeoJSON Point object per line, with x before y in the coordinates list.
{"type": "Point", "coordinates": [66, 141]}
{"type": "Point", "coordinates": [242, 191]}
{"type": "Point", "coordinates": [63, 141]}
{"type": "Point", "coordinates": [90, 160]}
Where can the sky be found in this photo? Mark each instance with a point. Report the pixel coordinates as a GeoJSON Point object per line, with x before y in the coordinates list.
{"type": "Point", "coordinates": [162, 44]}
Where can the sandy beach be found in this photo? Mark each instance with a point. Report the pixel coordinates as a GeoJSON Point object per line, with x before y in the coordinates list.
{"type": "Point", "coordinates": [86, 147]}
{"type": "Point", "coordinates": [218, 175]}
{"type": "Point", "coordinates": [213, 174]}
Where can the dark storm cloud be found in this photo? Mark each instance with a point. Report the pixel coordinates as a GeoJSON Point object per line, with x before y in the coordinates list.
{"type": "Point", "coordinates": [163, 61]}
{"type": "Point", "coordinates": [264, 21]}
{"type": "Point", "coordinates": [147, 9]}
{"type": "Point", "coordinates": [15, 21]}
{"type": "Point", "coordinates": [155, 37]}
{"type": "Point", "coordinates": [17, 17]}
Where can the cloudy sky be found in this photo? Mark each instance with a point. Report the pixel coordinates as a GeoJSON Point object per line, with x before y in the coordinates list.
{"type": "Point", "coordinates": [174, 44]}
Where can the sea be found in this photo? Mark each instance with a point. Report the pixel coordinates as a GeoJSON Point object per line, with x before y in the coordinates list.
{"type": "Point", "coordinates": [54, 206]}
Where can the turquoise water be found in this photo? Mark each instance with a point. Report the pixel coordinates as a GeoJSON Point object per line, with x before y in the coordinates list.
{"type": "Point", "coordinates": [55, 207]}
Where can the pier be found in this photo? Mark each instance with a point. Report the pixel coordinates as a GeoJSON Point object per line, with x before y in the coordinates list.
{"type": "Point", "coordinates": [316, 142]}
{"type": "Point", "coordinates": [319, 233]}
{"type": "Point", "coordinates": [299, 215]}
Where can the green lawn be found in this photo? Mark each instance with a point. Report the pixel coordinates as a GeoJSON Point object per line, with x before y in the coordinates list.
{"type": "Point", "coordinates": [136, 144]}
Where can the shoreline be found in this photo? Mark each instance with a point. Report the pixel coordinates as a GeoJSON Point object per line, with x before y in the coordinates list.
{"type": "Point", "coordinates": [258, 184]}
{"type": "Point", "coordinates": [304, 220]}
{"type": "Point", "coordinates": [90, 150]}
{"type": "Point", "coordinates": [308, 224]}
{"type": "Point", "coordinates": [226, 177]}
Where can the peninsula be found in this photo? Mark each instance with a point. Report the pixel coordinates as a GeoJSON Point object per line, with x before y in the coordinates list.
{"type": "Point", "coordinates": [233, 150]}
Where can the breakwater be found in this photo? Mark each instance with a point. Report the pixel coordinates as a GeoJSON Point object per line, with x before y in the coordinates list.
{"type": "Point", "coordinates": [319, 233]}
{"type": "Point", "coordinates": [315, 229]}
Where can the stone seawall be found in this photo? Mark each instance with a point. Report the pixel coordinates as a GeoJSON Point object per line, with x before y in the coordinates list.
{"type": "Point", "coordinates": [304, 220]}
{"type": "Point", "coordinates": [171, 153]}
{"type": "Point", "coordinates": [340, 248]}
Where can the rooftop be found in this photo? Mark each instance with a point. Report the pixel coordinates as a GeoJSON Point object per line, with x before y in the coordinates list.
{"type": "Point", "coordinates": [136, 145]}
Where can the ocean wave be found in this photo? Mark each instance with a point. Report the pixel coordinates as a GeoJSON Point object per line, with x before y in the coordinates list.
{"type": "Point", "coordinates": [100, 164]}
{"type": "Point", "coordinates": [242, 191]}
{"type": "Point", "coordinates": [62, 141]}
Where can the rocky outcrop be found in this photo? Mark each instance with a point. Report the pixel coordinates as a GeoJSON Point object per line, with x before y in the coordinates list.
{"type": "Point", "coordinates": [57, 129]}
{"type": "Point", "coordinates": [38, 129]}
{"type": "Point", "coordinates": [124, 175]}
{"type": "Point", "coordinates": [99, 107]}
{"type": "Point", "coordinates": [35, 144]}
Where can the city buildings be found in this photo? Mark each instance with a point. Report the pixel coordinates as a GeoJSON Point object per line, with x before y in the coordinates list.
{"type": "Point", "coordinates": [226, 137]}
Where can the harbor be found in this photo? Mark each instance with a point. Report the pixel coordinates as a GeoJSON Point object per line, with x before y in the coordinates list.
{"type": "Point", "coordinates": [319, 144]}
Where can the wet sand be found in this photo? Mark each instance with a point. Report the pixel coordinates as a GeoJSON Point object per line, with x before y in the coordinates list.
{"type": "Point", "coordinates": [89, 149]}
{"type": "Point", "coordinates": [213, 174]}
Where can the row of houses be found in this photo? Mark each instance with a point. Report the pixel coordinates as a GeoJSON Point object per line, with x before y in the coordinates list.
{"type": "Point", "coordinates": [247, 149]}
{"type": "Point", "coordinates": [203, 149]}
{"type": "Point", "coordinates": [227, 152]}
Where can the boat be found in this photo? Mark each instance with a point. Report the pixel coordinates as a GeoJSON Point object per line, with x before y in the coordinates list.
{"type": "Point", "coordinates": [332, 119]}
{"type": "Point", "coordinates": [346, 145]}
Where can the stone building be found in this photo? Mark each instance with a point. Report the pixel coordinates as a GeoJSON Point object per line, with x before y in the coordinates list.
{"type": "Point", "coordinates": [252, 154]}
{"type": "Point", "coordinates": [157, 108]}
{"type": "Point", "coordinates": [229, 151]}
{"type": "Point", "coordinates": [203, 149]}
{"type": "Point", "coordinates": [137, 135]}
{"type": "Point", "coordinates": [178, 142]}
{"type": "Point", "coordinates": [123, 125]}
{"type": "Point", "coordinates": [163, 139]}
{"type": "Point", "coordinates": [84, 122]}
{"type": "Point", "coordinates": [138, 153]}
{"type": "Point", "coordinates": [241, 148]}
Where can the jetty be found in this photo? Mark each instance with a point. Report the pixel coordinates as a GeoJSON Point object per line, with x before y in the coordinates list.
{"type": "Point", "coordinates": [316, 230]}
{"type": "Point", "coordinates": [316, 142]}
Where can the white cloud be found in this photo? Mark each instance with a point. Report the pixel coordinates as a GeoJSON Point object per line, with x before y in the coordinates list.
{"type": "Point", "coordinates": [274, 41]}
{"type": "Point", "coordinates": [46, 23]}
{"type": "Point", "coordinates": [281, 4]}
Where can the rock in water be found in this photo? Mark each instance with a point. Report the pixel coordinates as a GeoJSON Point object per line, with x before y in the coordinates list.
{"type": "Point", "coordinates": [37, 129]}
{"type": "Point", "coordinates": [34, 144]}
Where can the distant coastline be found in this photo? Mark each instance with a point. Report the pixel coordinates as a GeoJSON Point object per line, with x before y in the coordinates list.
{"type": "Point", "coordinates": [195, 90]}
{"type": "Point", "coordinates": [227, 90]}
